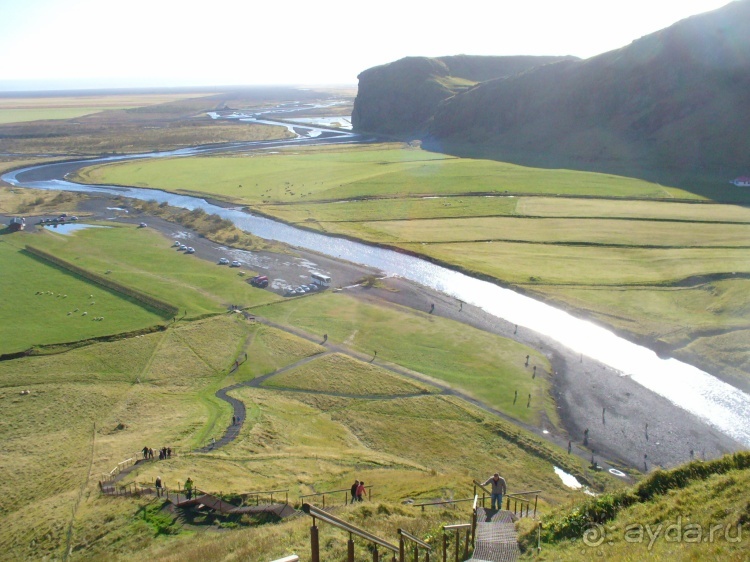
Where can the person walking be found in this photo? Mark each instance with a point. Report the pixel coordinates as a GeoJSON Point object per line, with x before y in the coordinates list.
{"type": "Point", "coordinates": [361, 491]}
{"type": "Point", "coordinates": [499, 488]}
{"type": "Point", "coordinates": [354, 490]}
{"type": "Point", "coordinates": [157, 485]}
{"type": "Point", "coordinates": [189, 488]}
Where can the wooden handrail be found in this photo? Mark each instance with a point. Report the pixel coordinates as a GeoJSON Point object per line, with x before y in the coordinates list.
{"type": "Point", "coordinates": [457, 528]}
{"type": "Point", "coordinates": [414, 539]}
{"type": "Point", "coordinates": [422, 505]}
{"type": "Point", "coordinates": [316, 513]}
{"type": "Point", "coordinates": [346, 491]}
{"type": "Point", "coordinates": [476, 483]}
{"type": "Point", "coordinates": [524, 493]}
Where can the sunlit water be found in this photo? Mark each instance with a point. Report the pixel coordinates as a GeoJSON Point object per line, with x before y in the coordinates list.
{"type": "Point", "coordinates": [720, 404]}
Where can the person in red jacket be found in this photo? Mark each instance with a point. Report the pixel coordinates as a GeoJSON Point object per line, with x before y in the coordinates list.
{"type": "Point", "coordinates": [361, 491]}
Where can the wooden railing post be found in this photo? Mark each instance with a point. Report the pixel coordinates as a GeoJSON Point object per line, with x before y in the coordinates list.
{"type": "Point", "coordinates": [536, 497]}
{"type": "Point", "coordinates": [375, 555]}
{"type": "Point", "coordinates": [416, 553]}
{"type": "Point", "coordinates": [350, 549]}
{"type": "Point", "coordinates": [314, 545]}
{"type": "Point", "coordinates": [466, 545]}
{"type": "Point", "coordinates": [401, 548]}
{"type": "Point", "coordinates": [458, 543]}
{"type": "Point", "coordinates": [445, 547]}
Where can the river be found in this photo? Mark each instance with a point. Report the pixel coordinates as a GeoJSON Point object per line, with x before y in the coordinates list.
{"type": "Point", "coordinates": [718, 403]}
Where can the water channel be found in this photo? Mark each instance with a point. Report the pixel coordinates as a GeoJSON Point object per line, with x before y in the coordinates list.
{"type": "Point", "coordinates": [720, 404]}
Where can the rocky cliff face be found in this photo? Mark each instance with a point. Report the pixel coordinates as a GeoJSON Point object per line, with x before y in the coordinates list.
{"type": "Point", "coordinates": [401, 97]}
{"type": "Point", "coordinates": [675, 99]}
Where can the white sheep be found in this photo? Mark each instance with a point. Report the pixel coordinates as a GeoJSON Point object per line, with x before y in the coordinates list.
{"type": "Point", "coordinates": [84, 314]}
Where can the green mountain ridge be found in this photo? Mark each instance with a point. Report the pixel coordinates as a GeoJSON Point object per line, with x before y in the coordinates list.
{"type": "Point", "coordinates": [673, 101]}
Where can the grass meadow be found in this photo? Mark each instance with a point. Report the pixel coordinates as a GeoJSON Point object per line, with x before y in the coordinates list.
{"type": "Point", "coordinates": [485, 366]}
{"type": "Point", "coordinates": [652, 261]}
{"type": "Point", "coordinates": [43, 304]}
{"type": "Point", "coordinates": [144, 259]}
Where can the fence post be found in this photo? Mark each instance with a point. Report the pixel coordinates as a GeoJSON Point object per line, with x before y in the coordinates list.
{"type": "Point", "coordinates": [458, 542]}
{"type": "Point", "coordinates": [350, 549]}
{"type": "Point", "coordinates": [507, 503]}
{"type": "Point", "coordinates": [416, 553]}
{"type": "Point", "coordinates": [375, 555]}
{"type": "Point", "coordinates": [466, 545]}
{"type": "Point", "coordinates": [536, 497]}
{"type": "Point", "coordinates": [314, 546]}
{"type": "Point", "coordinates": [400, 548]}
{"type": "Point", "coordinates": [445, 547]}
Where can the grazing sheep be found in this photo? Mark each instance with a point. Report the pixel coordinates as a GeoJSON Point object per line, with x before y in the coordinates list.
{"type": "Point", "coordinates": [84, 314]}
{"type": "Point", "coordinates": [76, 310]}
{"type": "Point", "coordinates": [92, 302]}
{"type": "Point", "coordinates": [69, 313]}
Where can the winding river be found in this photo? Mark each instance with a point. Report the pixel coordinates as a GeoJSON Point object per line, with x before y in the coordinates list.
{"type": "Point", "coordinates": [719, 404]}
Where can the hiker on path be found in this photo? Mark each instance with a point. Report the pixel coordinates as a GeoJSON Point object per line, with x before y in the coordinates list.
{"type": "Point", "coordinates": [189, 488]}
{"type": "Point", "coordinates": [361, 491]}
{"type": "Point", "coordinates": [169, 452]}
{"type": "Point", "coordinates": [157, 485]}
{"type": "Point", "coordinates": [145, 452]}
{"type": "Point", "coordinates": [499, 488]}
{"type": "Point", "coordinates": [150, 453]}
{"type": "Point", "coordinates": [354, 490]}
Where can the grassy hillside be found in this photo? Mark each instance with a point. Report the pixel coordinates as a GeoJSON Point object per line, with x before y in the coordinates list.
{"type": "Point", "coordinates": [665, 104]}
{"type": "Point", "coordinates": [698, 511]}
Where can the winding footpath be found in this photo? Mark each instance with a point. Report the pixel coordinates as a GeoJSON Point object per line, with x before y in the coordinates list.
{"type": "Point", "coordinates": [239, 410]}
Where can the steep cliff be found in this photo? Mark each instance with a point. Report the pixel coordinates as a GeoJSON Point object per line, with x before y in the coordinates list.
{"type": "Point", "coordinates": [677, 99]}
{"type": "Point", "coordinates": [402, 96]}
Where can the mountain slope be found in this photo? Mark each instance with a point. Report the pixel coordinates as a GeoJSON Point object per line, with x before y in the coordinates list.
{"type": "Point", "coordinates": [400, 97]}
{"type": "Point", "coordinates": [673, 100]}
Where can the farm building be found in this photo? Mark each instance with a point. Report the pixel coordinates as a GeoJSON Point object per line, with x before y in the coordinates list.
{"type": "Point", "coordinates": [742, 181]}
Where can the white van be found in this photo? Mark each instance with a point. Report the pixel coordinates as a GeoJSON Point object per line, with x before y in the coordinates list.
{"type": "Point", "coordinates": [320, 279]}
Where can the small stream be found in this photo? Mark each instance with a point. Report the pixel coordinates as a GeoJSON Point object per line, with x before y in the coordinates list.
{"type": "Point", "coordinates": [720, 404]}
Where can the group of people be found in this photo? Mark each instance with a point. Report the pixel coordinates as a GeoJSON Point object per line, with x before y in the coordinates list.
{"type": "Point", "coordinates": [358, 491]}
{"type": "Point", "coordinates": [164, 453]}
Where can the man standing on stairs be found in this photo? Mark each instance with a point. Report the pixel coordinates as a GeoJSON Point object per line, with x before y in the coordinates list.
{"type": "Point", "coordinates": [498, 490]}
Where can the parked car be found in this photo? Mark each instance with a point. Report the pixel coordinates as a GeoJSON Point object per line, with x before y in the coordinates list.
{"type": "Point", "coordinates": [177, 244]}
{"type": "Point", "coordinates": [259, 281]}
{"type": "Point", "coordinates": [235, 263]}
{"type": "Point", "coordinates": [223, 261]}
{"type": "Point", "coordinates": [190, 250]}
{"type": "Point", "coordinates": [142, 225]}
{"type": "Point", "coordinates": [183, 248]}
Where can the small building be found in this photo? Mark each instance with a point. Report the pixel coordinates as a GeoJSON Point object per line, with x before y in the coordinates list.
{"type": "Point", "coordinates": [742, 181]}
{"type": "Point", "coordinates": [16, 224]}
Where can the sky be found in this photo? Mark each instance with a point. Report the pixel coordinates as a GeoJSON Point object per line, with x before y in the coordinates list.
{"type": "Point", "coordinates": [69, 44]}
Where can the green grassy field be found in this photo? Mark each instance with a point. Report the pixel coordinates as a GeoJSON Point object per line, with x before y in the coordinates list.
{"type": "Point", "coordinates": [340, 374]}
{"type": "Point", "coordinates": [481, 364]}
{"type": "Point", "coordinates": [43, 304]}
{"type": "Point", "coordinates": [628, 264]}
{"type": "Point", "coordinates": [309, 175]}
{"type": "Point", "coordinates": [144, 259]}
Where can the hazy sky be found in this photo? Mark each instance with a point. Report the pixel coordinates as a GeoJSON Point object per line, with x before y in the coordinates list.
{"type": "Point", "coordinates": [110, 43]}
